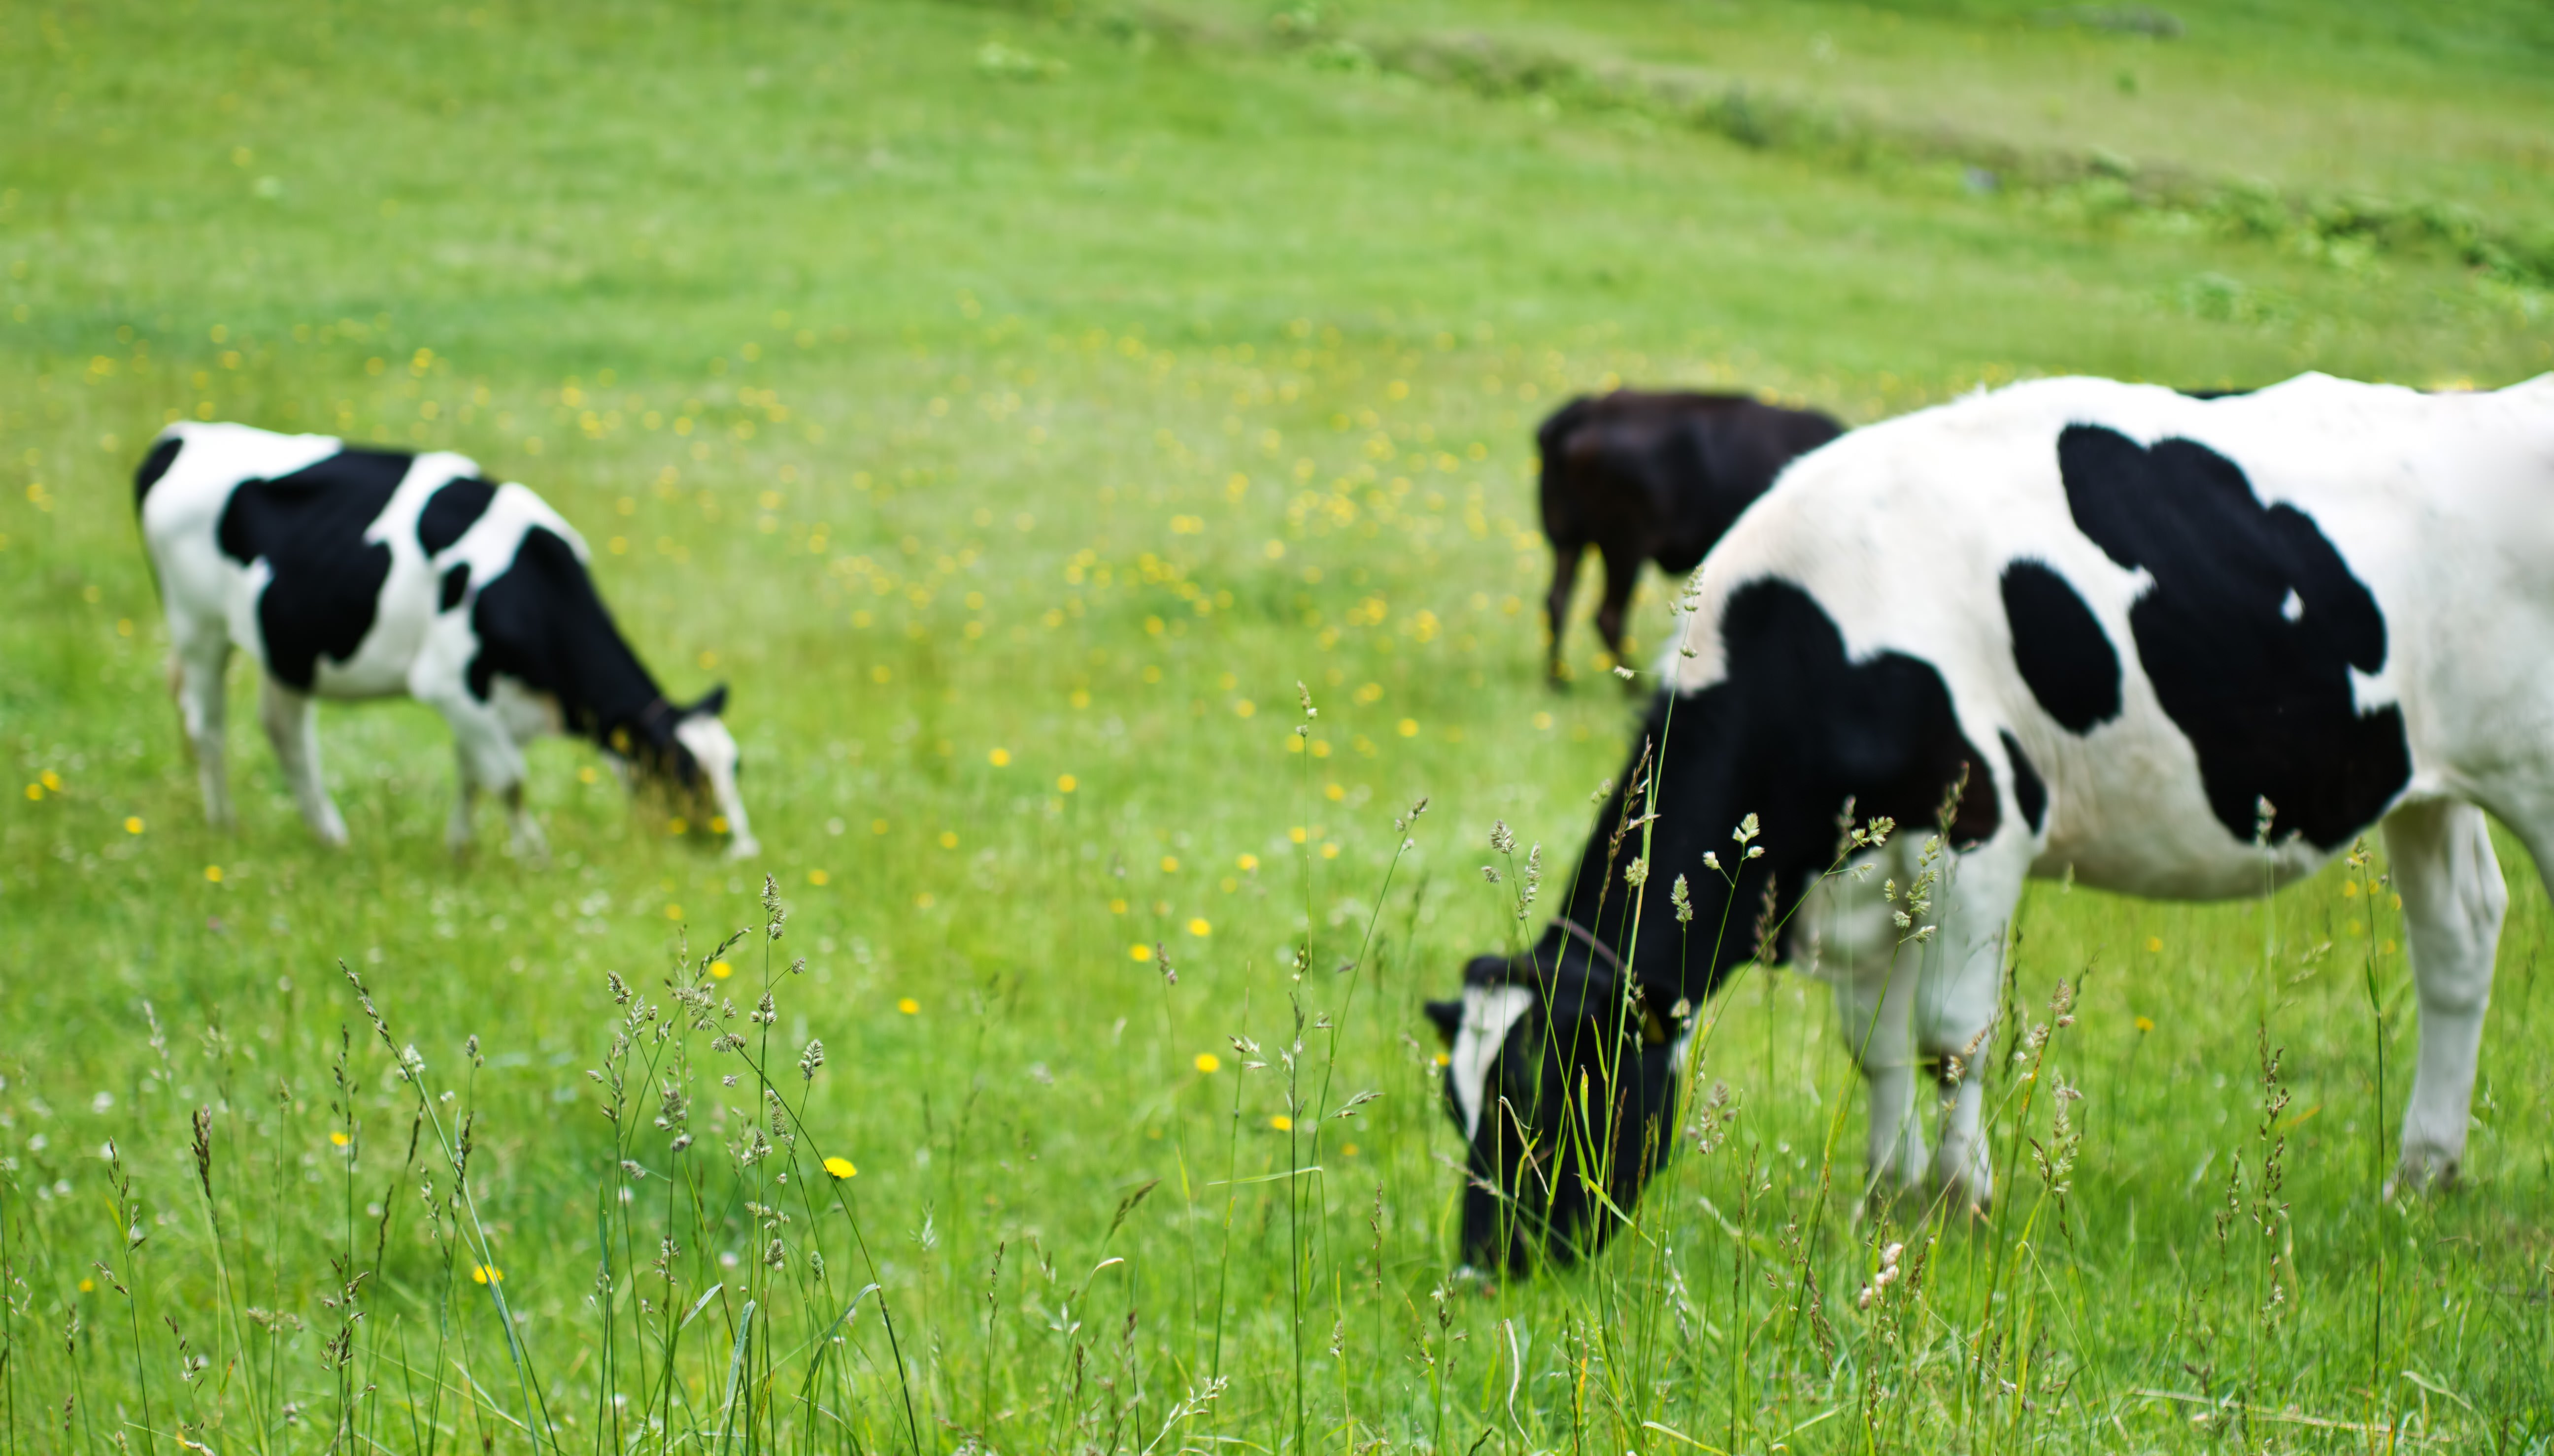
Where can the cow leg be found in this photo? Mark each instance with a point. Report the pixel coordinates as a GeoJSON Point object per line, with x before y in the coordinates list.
{"type": "Point", "coordinates": [1622, 574]}
{"type": "Point", "coordinates": [491, 759]}
{"type": "Point", "coordinates": [2453, 901]}
{"type": "Point", "coordinates": [1852, 939]}
{"type": "Point", "coordinates": [465, 794]}
{"type": "Point", "coordinates": [292, 719]}
{"type": "Point", "coordinates": [196, 671]}
{"type": "Point", "coordinates": [529, 843]}
{"type": "Point", "coordinates": [1564, 581]}
{"type": "Point", "coordinates": [1955, 1001]}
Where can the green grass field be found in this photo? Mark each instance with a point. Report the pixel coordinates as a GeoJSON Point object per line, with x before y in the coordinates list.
{"type": "Point", "coordinates": [1014, 404]}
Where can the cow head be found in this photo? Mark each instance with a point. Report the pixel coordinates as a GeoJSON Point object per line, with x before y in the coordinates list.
{"type": "Point", "coordinates": [689, 753]}
{"type": "Point", "coordinates": [1562, 1079]}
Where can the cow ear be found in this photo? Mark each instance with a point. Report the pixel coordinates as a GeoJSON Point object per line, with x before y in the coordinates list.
{"type": "Point", "coordinates": [1448, 1016]}
{"type": "Point", "coordinates": [709, 706]}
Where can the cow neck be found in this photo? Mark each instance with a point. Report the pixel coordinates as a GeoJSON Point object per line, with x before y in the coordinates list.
{"type": "Point", "coordinates": [612, 694]}
{"type": "Point", "coordinates": [1573, 960]}
{"type": "Point", "coordinates": [543, 623]}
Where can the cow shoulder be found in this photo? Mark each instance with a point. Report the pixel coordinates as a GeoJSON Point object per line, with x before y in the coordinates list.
{"type": "Point", "coordinates": [1880, 730]}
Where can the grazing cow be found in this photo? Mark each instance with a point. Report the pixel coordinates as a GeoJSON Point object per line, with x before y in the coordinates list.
{"type": "Point", "coordinates": [1654, 477]}
{"type": "Point", "coordinates": [364, 574]}
{"type": "Point", "coordinates": [2174, 648]}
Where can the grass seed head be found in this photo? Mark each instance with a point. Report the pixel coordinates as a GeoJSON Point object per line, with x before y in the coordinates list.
{"type": "Point", "coordinates": [203, 1149]}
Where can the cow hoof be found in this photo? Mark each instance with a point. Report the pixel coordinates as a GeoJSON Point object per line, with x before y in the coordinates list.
{"type": "Point", "coordinates": [1970, 1196]}
{"type": "Point", "coordinates": [332, 833]}
{"type": "Point", "coordinates": [1891, 1200]}
{"type": "Point", "coordinates": [744, 848]}
{"type": "Point", "coordinates": [2422, 1171]}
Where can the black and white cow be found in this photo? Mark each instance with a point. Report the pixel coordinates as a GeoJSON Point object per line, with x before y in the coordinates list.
{"type": "Point", "coordinates": [364, 574]}
{"type": "Point", "coordinates": [2181, 648]}
{"type": "Point", "coordinates": [1654, 476]}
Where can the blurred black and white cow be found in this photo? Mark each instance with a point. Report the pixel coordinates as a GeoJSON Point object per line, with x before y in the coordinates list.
{"type": "Point", "coordinates": [2178, 647]}
{"type": "Point", "coordinates": [1654, 476]}
{"type": "Point", "coordinates": [364, 574]}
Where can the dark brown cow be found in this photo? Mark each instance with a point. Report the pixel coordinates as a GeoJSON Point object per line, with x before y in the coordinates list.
{"type": "Point", "coordinates": [1647, 476]}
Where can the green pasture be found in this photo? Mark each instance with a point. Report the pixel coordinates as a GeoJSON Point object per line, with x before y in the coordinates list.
{"type": "Point", "coordinates": [1014, 404]}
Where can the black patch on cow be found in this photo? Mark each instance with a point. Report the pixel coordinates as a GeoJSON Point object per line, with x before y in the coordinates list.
{"type": "Point", "coordinates": [2249, 634]}
{"type": "Point", "coordinates": [2064, 657]}
{"type": "Point", "coordinates": [153, 465]}
{"type": "Point", "coordinates": [457, 585]}
{"type": "Point", "coordinates": [2030, 795]}
{"type": "Point", "coordinates": [540, 622]}
{"type": "Point", "coordinates": [450, 511]}
{"type": "Point", "coordinates": [308, 526]}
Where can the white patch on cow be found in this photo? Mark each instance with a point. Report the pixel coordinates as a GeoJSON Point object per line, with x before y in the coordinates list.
{"type": "Point", "coordinates": [2293, 607]}
{"type": "Point", "coordinates": [1489, 1014]}
{"type": "Point", "coordinates": [2371, 691]}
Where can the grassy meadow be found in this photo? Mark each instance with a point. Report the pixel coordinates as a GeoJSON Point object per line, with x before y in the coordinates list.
{"type": "Point", "coordinates": [1014, 404]}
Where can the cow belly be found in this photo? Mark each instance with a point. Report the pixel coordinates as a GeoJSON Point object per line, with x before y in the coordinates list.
{"type": "Point", "coordinates": [2129, 873]}
{"type": "Point", "coordinates": [2128, 814]}
{"type": "Point", "coordinates": [364, 677]}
